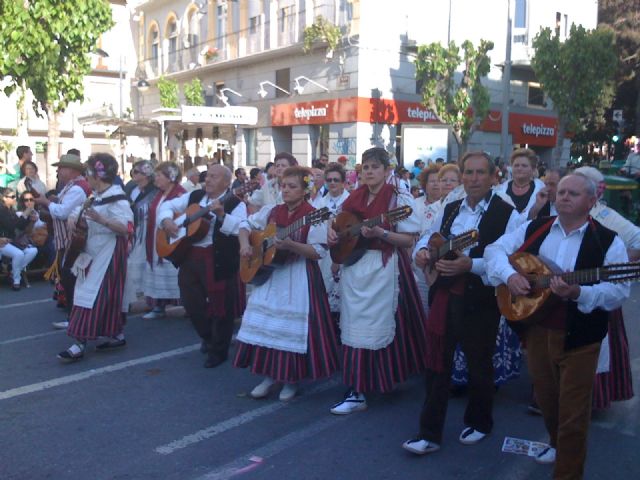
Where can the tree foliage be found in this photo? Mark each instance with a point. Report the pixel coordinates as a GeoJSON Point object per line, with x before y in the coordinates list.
{"type": "Point", "coordinates": [576, 74]}
{"type": "Point", "coordinates": [168, 93]}
{"type": "Point", "coordinates": [457, 99]}
{"type": "Point", "coordinates": [194, 93]}
{"type": "Point", "coordinates": [45, 46]}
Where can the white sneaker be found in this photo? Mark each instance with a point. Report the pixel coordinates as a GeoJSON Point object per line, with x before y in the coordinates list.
{"type": "Point", "coordinates": [546, 456]}
{"type": "Point", "coordinates": [420, 446]}
{"type": "Point", "coordinates": [262, 390]}
{"type": "Point", "coordinates": [154, 314]}
{"type": "Point", "coordinates": [471, 436]}
{"type": "Point", "coordinates": [61, 325]}
{"type": "Point", "coordinates": [353, 402]}
{"type": "Point", "coordinates": [288, 392]}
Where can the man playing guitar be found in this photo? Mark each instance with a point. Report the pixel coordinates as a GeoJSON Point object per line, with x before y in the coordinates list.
{"type": "Point", "coordinates": [563, 348]}
{"type": "Point", "coordinates": [211, 291]}
{"type": "Point", "coordinates": [463, 308]}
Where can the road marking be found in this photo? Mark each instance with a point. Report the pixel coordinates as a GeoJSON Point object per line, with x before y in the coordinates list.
{"type": "Point", "coordinates": [30, 337]}
{"type": "Point", "coordinates": [24, 304]}
{"type": "Point", "coordinates": [56, 382]}
{"type": "Point", "coordinates": [251, 461]}
{"type": "Point", "coordinates": [234, 422]}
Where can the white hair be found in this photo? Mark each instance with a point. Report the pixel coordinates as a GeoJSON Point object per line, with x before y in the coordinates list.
{"type": "Point", "coordinates": [592, 173]}
{"type": "Point", "coordinates": [589, 183]}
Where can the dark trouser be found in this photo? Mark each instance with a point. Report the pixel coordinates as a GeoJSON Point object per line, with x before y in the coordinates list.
{"type": "Point", "coordinates": [476, 332]}
{"type": "Point", "coordinates": [68, 281]}
{"type": "Point", "coordinates": [216, 331]}
{"type": "Point", "coordinates": [563, 384]}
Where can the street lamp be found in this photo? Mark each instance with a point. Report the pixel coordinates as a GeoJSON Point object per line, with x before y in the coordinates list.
{"type": "Point", "coordinates": [142, 85]}
{"type": "Point", "coordinates": [263, 93]}
{"type": "Point", "coordinates": [299, 89]}
{"type": "Point", "coordinates": [223, 98]}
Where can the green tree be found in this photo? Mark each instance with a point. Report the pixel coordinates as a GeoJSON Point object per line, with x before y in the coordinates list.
{"type": "Point", "coordinates": [168, 93]}
{"type": "Point", "coordinates": [577, 75]}
{"type": "Point", "coordinates": [194, 93]}
{"type": "Point", "coordinates": [45, 47]}
{"type": "Point", "coordinates": [457, 99]}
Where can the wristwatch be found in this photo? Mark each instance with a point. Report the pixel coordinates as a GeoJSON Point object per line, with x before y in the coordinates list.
{"type": "Point", "coordinates": [385, 234]}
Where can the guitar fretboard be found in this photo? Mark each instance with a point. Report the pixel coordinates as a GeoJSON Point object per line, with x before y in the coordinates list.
{"type": "Point", "coordinates": [609, 273]}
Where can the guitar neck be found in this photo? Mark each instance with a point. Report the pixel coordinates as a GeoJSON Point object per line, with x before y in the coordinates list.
{"type": "Point", "coordinates": [455, 243]}
{"type": "Point", "coordinates": [298, 224]}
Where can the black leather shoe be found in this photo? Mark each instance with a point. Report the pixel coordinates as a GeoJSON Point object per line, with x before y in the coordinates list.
{"type": "Point", "coordinates": [214, 360]}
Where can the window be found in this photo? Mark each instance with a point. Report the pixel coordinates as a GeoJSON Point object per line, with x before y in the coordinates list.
{"type": "Point", "coordinates": [558, 20]}
{"type": "Point", "coordinates": [535, 97]}
{"type": "Point", "coordinates": [520, 17]}
{"type": "Point", "coordinates": [154, 48]}
{"type": "Point", "coordinates": [566, 26]}
{"type": "Point", "coordinates": [172, 44]}
{"type": "Point", "coordinates": [192, 37]}
{"type": "Point", "coordinates": [283, 80]}
{"type": "Point", "coordinates": [251, 146]}
{"type": "Point", "coordinates": [221, 26]}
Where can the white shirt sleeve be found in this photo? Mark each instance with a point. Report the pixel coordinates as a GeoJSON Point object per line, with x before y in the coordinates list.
{"type": "Point", "coordinates": [73, 198]}
{"type": "Point", "coordinates": [424, 240]}
{"type": "Point", "coordinates": [606, 295]}
{"type": "Point", "coordinates": [169, 208]}
{"type": "Point", "coordinates": [232, 221]}
{"type": "Point", "coordinates": [257, 221]}
{"type": "Point", "coordinates": [496, 255]}
{"type": "Point", "coordinates": [628, 232]}
{"type": "Point", "coordinates": [317, 238]}
{"type": "Point", "coordinates": [412, 224]}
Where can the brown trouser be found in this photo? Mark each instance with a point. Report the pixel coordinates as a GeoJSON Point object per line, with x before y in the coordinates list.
{"type": "Point", "coordinates": [563, 384]}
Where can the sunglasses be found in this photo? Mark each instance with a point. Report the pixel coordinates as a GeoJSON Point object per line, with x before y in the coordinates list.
{"type": "Point", "coordinates": [333, 180]}
{"type": "Point", "coordinates": [28, 200]}
{"type": "Point", "coordinates": [10, 196]}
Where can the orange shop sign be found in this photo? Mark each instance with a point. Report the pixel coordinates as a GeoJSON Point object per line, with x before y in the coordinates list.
{"type": "Point", "coordinates": [527, 129]}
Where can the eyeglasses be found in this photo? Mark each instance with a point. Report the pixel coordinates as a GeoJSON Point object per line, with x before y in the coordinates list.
{"type": "Point", "coordinates": [449, 180]}
{"type": "Point", "coordinates": [333, 180]}
{"type": "Point", "coordinates": [10, 196]}
{"type": "Point", "coordinates": [28, 200]}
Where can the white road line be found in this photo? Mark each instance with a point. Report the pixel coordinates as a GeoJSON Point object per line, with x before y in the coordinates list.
{"type": "Point", "coordinates": [24, 304]}
{"type": "Point", "coordinates": [30, 337]}
{"type": "Point", "coordinates": [56, 382]}
{"type": "Point", "coordinates": [236, 421]}
{"type": "Point", "coordinates": [253, 460]}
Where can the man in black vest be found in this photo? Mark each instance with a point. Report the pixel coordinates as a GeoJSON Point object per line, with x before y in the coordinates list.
{"type": "Point", "coordinates": [210, 288]}
{"type": "Point", "coordinates": [463, 308]}
{"type": "Point", "coordinates": [563, 347]}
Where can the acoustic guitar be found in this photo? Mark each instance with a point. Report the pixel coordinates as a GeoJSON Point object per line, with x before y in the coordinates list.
{"type": "Point", "coordinates": [347, 226]}
{"type": "Point", "coordinates": [532, 307]}
{"type": "Point", "coordinates": [78, 240]}
{"type": "Point", "coordinates": [255, 268]}
{"type": "Point", "coordinates": [193, 227]}
{"type": "Point", "coordinates": [440, 248]}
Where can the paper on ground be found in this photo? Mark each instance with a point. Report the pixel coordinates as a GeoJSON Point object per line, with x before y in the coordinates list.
{"type": "Point", "coordinates": [522, 447]}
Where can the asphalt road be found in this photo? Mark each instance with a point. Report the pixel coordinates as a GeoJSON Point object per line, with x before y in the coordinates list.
{"type": "Point", "coordinates": [151, 411]}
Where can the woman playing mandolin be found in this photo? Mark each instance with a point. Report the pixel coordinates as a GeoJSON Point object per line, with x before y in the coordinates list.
{"type": "Point", "coordinates": [287, 333]}
{"type": "Point", "coordinates": [381, 316]}
{"type": "Point", "coordinates": [102, 265]}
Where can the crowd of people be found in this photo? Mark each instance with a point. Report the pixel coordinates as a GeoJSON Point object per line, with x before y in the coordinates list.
{"type": "Point", "coordinates": [393, 308]}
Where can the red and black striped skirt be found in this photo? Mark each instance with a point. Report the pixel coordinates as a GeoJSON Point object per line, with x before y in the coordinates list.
{"type": "Point", "coordinates": [380, 370]}
{"type": "Point", "coordinates": [105, 319]}
{"type": "Point", "coordinates": [616, 384]}
{"type": "Point", "coordinates": [321, 359]}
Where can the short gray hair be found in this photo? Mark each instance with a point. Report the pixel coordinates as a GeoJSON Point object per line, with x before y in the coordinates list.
{"type": "Point", "coordinates": [589, 184]}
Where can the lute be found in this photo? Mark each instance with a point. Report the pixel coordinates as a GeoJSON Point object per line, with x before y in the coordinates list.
{"type": "Point", "coordinates": [347, 226]}
{"type": "Point", "coordinates": [257, 267]}
{"type": "Point", "coordinates": [440, 248]}
{"type": "Point", "coordinates": [532, 307]}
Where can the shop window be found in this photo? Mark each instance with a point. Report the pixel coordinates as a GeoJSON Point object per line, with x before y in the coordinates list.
{"type": "Point", "coordinates": [251, 146]}
{"type": "Point", "coordinates": [283, 80]}
{"type": "Point", "coordinates": [535, 95]}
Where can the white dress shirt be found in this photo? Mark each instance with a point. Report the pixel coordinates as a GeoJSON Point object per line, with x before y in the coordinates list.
{"type": "Point", "coordinates": [69, 200]}
{"type": "Point", "coordinates": [562, 249]}
{"type": "Point", "coordinates": [230, 224]}
{"type": "Point", "coordinates": [468, 219]}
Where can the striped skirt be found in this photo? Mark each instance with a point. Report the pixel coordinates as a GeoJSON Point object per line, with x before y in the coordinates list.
{"type": "Point", "coordinates": [616, 384]}
{"type": "Point", "coordinates": [105, 319]}
{"type": "Point", "coordinates": [380, 370]}
{"type": "Point", "coordinates": [321, 359]}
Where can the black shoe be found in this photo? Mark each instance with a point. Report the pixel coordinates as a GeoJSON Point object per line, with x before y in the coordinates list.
{"type": "Point", "coordinates": [214, 360]}
{"type": "Point", "coordinates": [68, 357]}
{"type": "Point", "coordinates": [111, 344]}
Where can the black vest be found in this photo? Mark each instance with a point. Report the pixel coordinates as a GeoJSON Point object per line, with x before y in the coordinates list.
{"type": "Point", "coordinates": [581, 328]}
{"type": "Point", "coordinates": [226, 248]}
{"type": "Point", "coordinates": [491, 227]}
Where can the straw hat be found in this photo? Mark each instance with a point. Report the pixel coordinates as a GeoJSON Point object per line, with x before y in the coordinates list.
{"type": "Point", "coordinates": [70, 160]}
